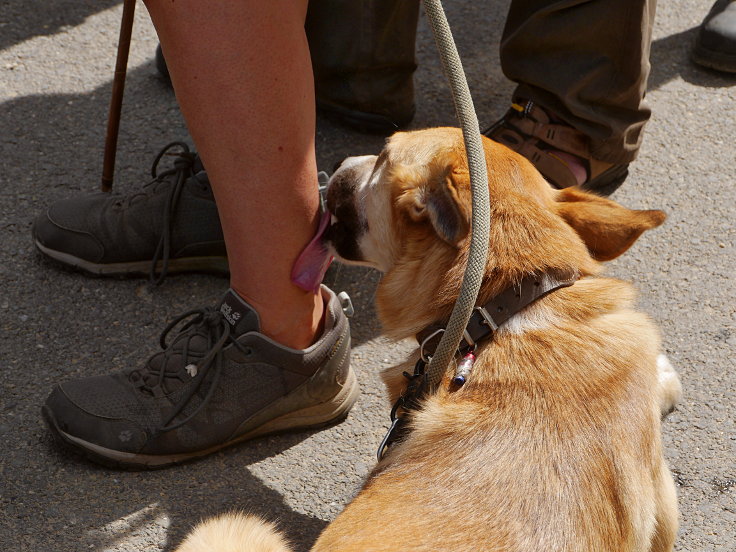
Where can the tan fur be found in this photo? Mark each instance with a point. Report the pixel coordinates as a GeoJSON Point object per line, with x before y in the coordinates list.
{"type": "Point", "coordinates": [554, 442]}
{"type": "Point", "coordinates": [234, 532]}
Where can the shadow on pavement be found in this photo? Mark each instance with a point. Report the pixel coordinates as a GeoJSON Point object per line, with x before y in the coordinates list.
{"type": "Point", "coordinates": [21, 20]}
{"type": "Point", "coordinates": [670, 59]}
{"type": "Point", "coordinates": [170, 500]}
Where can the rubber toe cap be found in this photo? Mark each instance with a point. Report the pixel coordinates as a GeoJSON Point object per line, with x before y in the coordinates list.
{"type": "Point", "coordinates": [54, 230]}
{"type": "Point", "coordinates": [84, 427]}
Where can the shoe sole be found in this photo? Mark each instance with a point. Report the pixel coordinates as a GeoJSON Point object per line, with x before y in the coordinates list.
{"type": "Point", "coordinates": [371, 123]}
{"type": "Point", "coordinates": [137, 268]}
{"type": "Point", "coordinates": [711, 59]}
{"type": "Point", "coordinates": [314, 417]}
{"type": "Point", "coordinates": [608, 182]}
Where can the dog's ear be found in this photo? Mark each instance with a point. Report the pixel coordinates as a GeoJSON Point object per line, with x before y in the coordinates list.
{"type": "Point", "coordinates": [447, 208]}
{"type": "Point", "coordinates": [442, 202]}
{"type": "Point", "coordinates": [607, 228]}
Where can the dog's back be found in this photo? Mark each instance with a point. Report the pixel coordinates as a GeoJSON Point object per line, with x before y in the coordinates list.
{"type": "Point", "coordinates": [553, 444]}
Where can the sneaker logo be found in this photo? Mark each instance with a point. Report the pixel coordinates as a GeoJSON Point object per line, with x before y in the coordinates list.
{"type": "Point", "coordinates": [232, 316]}
{"type": "Point", "coordinates": [191, 369]}
{"type": "Point", "coordinates": [125, 435]}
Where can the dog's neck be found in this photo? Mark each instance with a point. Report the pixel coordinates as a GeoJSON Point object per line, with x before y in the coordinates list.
{"type": "Point", "coordinates": [499, 313]}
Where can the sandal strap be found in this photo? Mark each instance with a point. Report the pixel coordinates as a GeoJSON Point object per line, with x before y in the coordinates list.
{"type": "Point", "coordinates": [552, 167]}
{"type": "Point", "coordinates": [528, 130]}
{"type": "Point", "coordinates": [560, 137]}
{"type": "Point", "coordinates": [531, 120]}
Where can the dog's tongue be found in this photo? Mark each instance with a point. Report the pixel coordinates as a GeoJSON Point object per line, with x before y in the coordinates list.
{"type": "Point", "coordinates": [310, 267]}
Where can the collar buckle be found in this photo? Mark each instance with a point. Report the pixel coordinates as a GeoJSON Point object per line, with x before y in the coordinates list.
{"type": "Point", "coordinates": [427, 347]}
{"type": "Point", "coordinates": [409, 400]}
{"type": "Point", "coordinates": [487, 318]}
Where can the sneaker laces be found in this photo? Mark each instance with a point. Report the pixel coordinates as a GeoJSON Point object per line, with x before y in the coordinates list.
{"type": "Point", "coordinates": [218, 332]}
{"type": "Point", "coordinates": [182, 169]}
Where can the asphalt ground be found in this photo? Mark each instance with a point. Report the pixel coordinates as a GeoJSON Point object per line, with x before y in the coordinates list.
{"type": "Point", "coordinates": [56, 60]}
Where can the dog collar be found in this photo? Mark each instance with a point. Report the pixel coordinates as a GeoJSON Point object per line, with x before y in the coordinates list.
{"type": "Point", "coordinates": [487, 318]}
{"type": "Point", "coordinates": [483, 323]}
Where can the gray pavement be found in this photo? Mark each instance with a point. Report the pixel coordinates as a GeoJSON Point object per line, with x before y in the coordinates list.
{"type": "Point", "coordinates": [56, 62]}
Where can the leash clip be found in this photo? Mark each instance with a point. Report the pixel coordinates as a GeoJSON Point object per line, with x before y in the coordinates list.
{"type": "Point", "coordinates": [426, 357]}
{"type": "Point", "coordinates": [414, 391]}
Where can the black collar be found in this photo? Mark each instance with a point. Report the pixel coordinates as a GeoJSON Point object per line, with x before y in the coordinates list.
{"type": "Point", "coordinates": [483, 323]}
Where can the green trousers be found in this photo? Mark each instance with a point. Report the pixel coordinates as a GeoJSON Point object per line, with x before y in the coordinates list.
{"type": "Point", "coordinates": [588, 62]}
{"type": "Point", "coordinates": [585, 60]}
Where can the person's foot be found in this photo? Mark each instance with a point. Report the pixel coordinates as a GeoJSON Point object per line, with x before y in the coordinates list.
{"type": "Point", "coordinates": [715, 45]}
{"type": "Point", "coordinates": [557, 150]}
{"type": "Point", "coordinates": [217, 383]}
{"type": "Point", "coordinates": [171, 225]}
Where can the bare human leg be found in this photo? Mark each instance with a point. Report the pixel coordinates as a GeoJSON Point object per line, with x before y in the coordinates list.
{"type": "Point", "coordinates": [244, 83]}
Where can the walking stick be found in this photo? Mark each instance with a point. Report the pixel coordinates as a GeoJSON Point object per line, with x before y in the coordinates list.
{"type": "Point", "coordinates": [116, 101]}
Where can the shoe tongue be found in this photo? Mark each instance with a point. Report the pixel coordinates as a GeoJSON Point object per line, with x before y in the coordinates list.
{"type": "Point", "coordinates": [239, 314]}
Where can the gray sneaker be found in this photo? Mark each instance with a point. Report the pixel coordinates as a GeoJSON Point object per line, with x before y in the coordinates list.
{"type": "Point", "coordinates": [171, 225]}
{"type": "Point", "coordinates": [219, 382]}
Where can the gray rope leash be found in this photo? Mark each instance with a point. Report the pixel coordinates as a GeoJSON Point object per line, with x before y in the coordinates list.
{"type": "Point", "coordinates": [479, 186]}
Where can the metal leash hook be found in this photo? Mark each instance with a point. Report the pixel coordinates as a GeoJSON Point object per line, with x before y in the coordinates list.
{"type": "Point", "coordinates": [116, 101]}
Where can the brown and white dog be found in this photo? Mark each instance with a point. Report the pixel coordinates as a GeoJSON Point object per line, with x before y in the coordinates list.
{"type": "Point", "coordinates": [554, 441]}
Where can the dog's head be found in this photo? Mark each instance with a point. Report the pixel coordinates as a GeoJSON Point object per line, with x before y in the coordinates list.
{"type": "Point", "coordinates": [407, 212]}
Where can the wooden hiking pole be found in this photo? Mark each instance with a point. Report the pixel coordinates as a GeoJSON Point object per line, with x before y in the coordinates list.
{"type": "Point", "coordinates": [116, 101]}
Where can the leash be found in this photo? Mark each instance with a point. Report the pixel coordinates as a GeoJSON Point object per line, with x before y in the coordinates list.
{"type": "Point", "coordinates": [481, 217]}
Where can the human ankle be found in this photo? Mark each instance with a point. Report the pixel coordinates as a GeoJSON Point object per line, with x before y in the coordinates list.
{"type": "Point", "coordinates": [296, 324]}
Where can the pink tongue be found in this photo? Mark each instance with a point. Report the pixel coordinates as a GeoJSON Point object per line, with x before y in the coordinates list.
{"type": "Point", "coordinates": [310, 267]}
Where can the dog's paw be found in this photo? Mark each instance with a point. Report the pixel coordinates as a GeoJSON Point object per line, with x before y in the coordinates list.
{"type": "Point", "coordinates": [670, 388]}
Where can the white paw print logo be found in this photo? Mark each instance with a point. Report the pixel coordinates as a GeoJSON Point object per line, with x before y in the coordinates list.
{"type": "Point", "coordinates": [191, 369]}
{"type": "Point", "coordinates": [125, 435]}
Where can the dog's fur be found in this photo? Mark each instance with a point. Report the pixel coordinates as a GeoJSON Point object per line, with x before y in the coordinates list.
{"type": "Point", "coordinates": [554, 442]}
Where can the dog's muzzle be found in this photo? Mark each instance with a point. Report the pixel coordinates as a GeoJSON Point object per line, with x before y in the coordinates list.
{"type": "Point", "coordinates": [342, 202]}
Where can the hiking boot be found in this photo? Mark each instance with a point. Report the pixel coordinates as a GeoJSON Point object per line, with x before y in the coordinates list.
{"type": "Point", "coordinates": [171, 225]}
{"type": "Point", "coordinates": [219, 382]}
{"type": "Point", "coordinates": [557, 150]}
{"type": "Point", "coordinates": [715, 45]}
